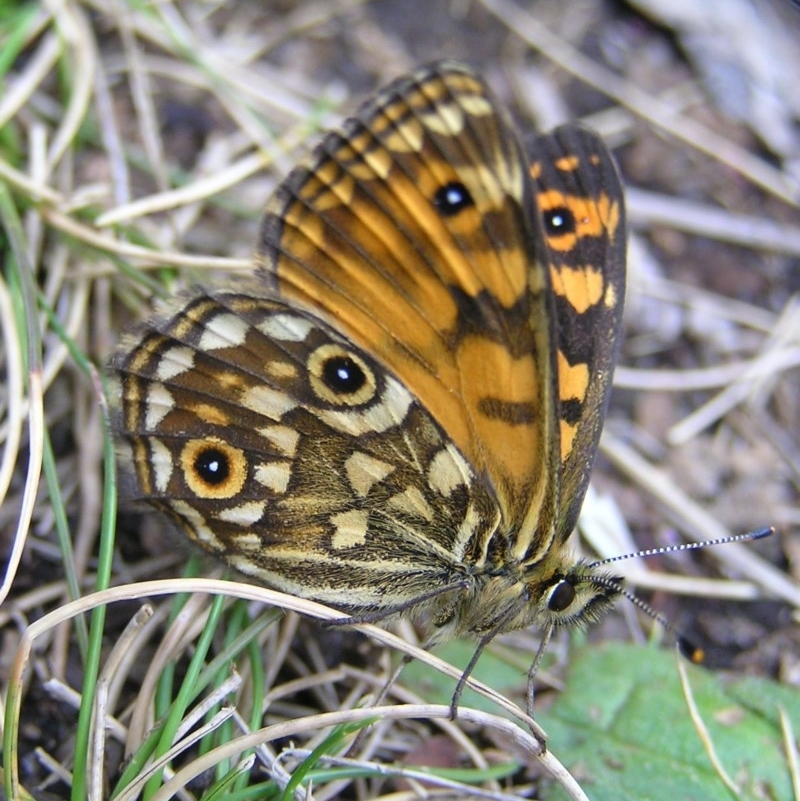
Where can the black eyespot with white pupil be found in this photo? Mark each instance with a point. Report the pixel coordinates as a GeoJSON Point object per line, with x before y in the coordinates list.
{"type": "Point", "coordinates": [212, 466]}
{"type": "Point", "coordinates": [342, 375]}
{"type": "Point", "coordinates": [561, 597]}
{"type": "Point", "coordinates": [559, 221]}
{"type": "Point", "coordinates": [452, 198]}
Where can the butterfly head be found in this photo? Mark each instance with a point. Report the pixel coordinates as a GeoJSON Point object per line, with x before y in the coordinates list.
{"type": "Point", "coordinates": [559, 593]}
{"type": "Point", "coordinates": [575, 595]}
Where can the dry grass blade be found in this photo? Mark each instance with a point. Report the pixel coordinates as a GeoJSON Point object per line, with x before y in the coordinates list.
{"type": "Point", "coordinates": [703, 734]}
{"type": "Point", "coordinates": [646, 209]}
{"type": "Point", "coordinates": [791, 752]}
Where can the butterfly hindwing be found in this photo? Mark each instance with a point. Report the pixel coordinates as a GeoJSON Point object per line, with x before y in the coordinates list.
{"type": "Point", "coordinates": [278, 445]}
{"type": "Point", "coordinates": [580, 200]}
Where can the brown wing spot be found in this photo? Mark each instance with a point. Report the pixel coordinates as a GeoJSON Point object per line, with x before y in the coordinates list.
{"type": "Point", "coordinates": [582, 287]}
{"type": "Point", "coordinates": [508, 412]}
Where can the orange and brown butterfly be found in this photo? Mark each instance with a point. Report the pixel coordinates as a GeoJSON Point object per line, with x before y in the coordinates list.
{"type": "Point", "coordinates": [400, 409]}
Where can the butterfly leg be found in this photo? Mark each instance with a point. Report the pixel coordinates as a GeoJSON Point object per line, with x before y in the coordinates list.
{"type": "Point", "coordinates": [462, 682]}
{"type": "Point", "coordinates": [534, 669]}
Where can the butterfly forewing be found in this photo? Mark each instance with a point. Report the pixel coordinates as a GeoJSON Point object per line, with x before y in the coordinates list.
{"type": "Point", "coordinates": [413, 231]}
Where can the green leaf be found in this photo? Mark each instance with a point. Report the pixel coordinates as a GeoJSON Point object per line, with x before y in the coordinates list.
{"type": "Point", "coordinates": [623, 728]}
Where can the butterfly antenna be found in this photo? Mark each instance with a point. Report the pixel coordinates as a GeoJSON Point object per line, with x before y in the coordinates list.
{"type": "Point", "coordinates": [689, 650]}
{"type": "Point", "coordinates": [758, 534]}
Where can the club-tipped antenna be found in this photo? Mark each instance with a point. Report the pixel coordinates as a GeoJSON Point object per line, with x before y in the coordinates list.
{"type": "Point", "coordinates": [692, 652]}
{"type": "Point", "coordinates": [758, 534]}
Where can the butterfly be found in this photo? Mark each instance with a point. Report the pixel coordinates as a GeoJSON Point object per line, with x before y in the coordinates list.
{"type": "Point", "coordinates": [398, 411]}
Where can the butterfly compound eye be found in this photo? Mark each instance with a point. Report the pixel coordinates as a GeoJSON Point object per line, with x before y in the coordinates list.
{"type": "Point", "coordinates": [561, 597]}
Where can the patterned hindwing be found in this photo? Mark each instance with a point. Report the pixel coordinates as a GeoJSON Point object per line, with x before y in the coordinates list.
{"type": "Point", "coordinates": [281, 447]}
{"type": "Point", "coordinates": [412, 231]}
{"type": "Point", "coordinates": [580, 202]}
